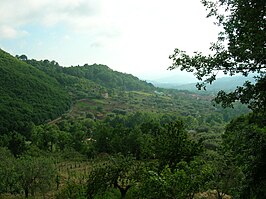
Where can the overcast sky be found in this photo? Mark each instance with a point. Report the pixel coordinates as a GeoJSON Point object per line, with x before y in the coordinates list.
{"type": "Point", "coordinates": [132, 36]}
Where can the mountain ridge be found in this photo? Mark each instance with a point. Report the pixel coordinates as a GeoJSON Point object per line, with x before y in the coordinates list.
{"type": "Point", "coordinates": [222, 83]}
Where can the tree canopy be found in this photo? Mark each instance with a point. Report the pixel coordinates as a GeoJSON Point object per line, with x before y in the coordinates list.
{"type": "Point", "coordinates": [27, 95]}
{"type": "Point", "coordinates": [245, 140]}
{"type": "Point", "coordinates": [240, 49]}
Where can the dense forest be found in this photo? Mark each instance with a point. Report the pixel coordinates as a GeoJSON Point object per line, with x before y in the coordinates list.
{"type": "Point", "coordinates": [91, 132]}
{"type": "Point", "coordinates": [89, 80]}
{"type": "Point", "coordinates": [27, 95]}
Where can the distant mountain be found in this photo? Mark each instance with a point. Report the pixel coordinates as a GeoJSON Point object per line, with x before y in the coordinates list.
{"type": "Point", "coordinates": [176, 79]}
{"type": "Point", "coordinates": [224, 83]}
{"type": "Point", "coordinates": [166, 85]}
{"type": "Point", "coordinates": [27, 95]}
{"type": "Point", "coordinates": [169, 77]}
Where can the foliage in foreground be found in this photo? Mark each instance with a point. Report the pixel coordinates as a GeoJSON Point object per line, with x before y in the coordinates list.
{"type": "Point", "coordinates": [27, 174]}
{"type": "Point", "coordinates": [245, 141]}
{"type": "Point", "coordinates": [240, 49]}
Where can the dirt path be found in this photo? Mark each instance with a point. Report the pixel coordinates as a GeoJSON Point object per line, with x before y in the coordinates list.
{"type": "Point", "coordinates": [68, 112]}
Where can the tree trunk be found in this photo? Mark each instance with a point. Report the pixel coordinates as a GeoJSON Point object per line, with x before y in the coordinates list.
{"type": "Point", "coordinates": [191, 196]}
{"type": "Point", "coordinates": [26, 192]}
{"type": "Point", "coordinates": [123, 191]}
{"type": "Point", "coordinates": [219, 195]}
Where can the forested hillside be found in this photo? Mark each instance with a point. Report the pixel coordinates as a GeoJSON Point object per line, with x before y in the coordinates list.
{"type": "Point", "coordinates": [104, 76]}
{"type": "Point", "coordinates": [90, 80]}
{"type": "Point", "coordinates": [27, 95]}
{"type": "Point", "coordinates": [77, 87]}
{"type": "Point", "coordinates": [37, 91]}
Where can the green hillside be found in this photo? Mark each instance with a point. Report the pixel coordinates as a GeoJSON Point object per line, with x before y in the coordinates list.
{"type": "Point", "coordinates": [89, 81]}
{"type": "Point", "coordinates": [77, 87]}
{"type": "Point", "coordinates": [27, 95]}
{"type": "Point", "coordinates": [105, 76]}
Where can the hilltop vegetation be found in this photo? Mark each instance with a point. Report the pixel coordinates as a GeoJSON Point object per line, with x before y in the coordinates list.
{"type": "Point", "coordinates": [108, 78]}
{"type": "Point", "coordinates": [78, 88]}
{"type": "Point", "coordinates": [27, 95]}
{"type": "Point", "coordinates": [89, 81]}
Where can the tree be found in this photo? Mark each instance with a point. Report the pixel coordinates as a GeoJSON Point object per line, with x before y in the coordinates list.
{"type": "Point", "coordinates": [103, 139]}
{"type": "Point", "coordinates": [120, 172]}
{"type": "Point", "coordinates": [245, 141]}
{"type": "Point", "coordinates": [72, 190]}
{"type": "Point", "coordinates": [8, 175]}
{"type": "Point", "coordinates": [174, 146]}
{"type": "Point", "coordinates": [34, 173]}
{"type": "Point", "coordinates": [240, 49]}
{"type": "Point", "coordinates": [22, 57]}
{"type": "Point", "coordinates": [45, 136]}
{"type": "Point", "coordinates": [181, 183]}
{"type": "Point", "coordinates": [227, 176]}
{"type": "Point", "coordinates": [78, 132]}
{"type": "Point", "coordinates": [17, 143]}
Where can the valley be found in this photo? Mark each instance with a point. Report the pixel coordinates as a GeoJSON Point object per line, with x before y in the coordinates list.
{"type": "Point", "coordinates": [114, 131]}
{"type": "Point", "coordinates": [191, 125]}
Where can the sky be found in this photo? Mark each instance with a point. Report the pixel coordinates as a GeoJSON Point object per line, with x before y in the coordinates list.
{"type": "Point", "coordinates": [131, 36]}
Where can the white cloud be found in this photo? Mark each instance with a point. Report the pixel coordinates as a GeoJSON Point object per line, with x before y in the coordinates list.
{"type": "Point", "coordinates": [8, 32]}
{"type": "Point", "coordinates": [134, 36]}
{"type": "Point", "coordinates": [47, 12]}
{"type": "Point", "coordinates": [151, 29]}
